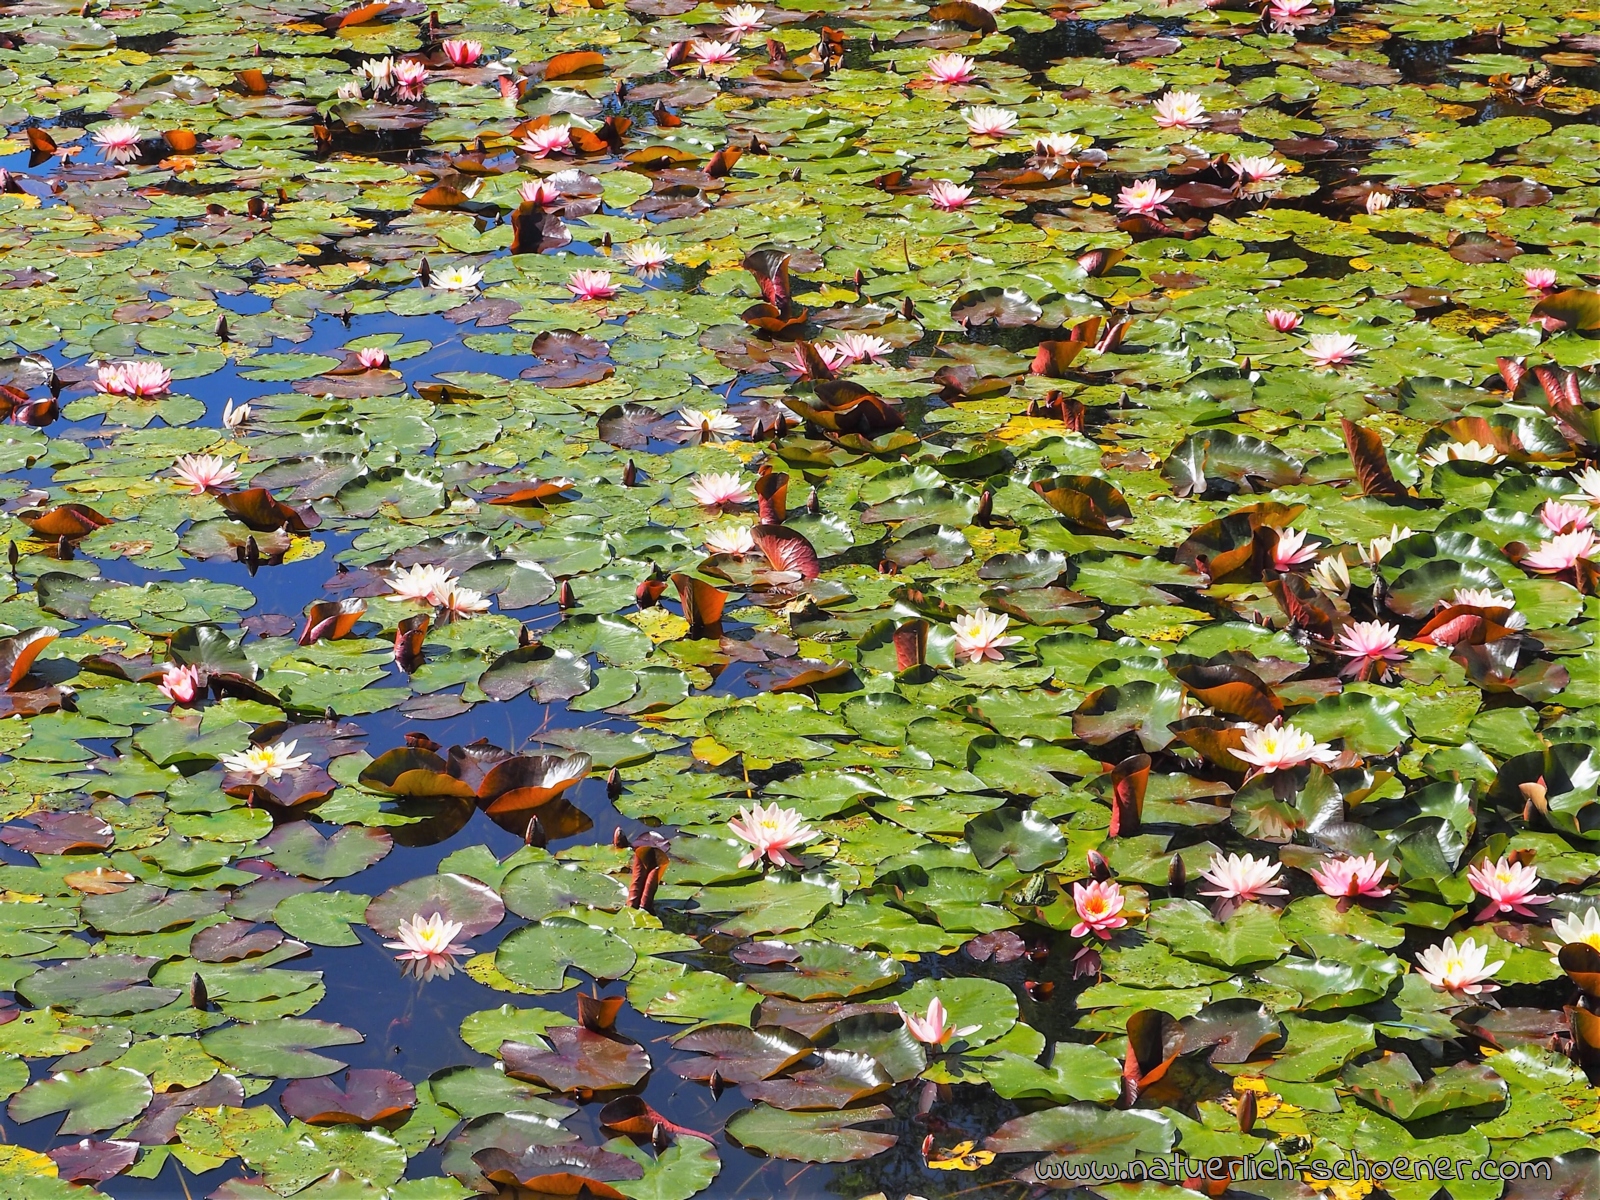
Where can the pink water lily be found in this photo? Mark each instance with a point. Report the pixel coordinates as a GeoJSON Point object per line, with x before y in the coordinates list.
{"type": "Point", "coordinates": [1352, 876]}
{"type": "Point", "coordinates": [410, 77]}
{"type": "Point", "coordinates": [743, 18]}
{"type": "Point", "coordinates": [645, 256]}
{"type": "Point", "coordinates": [591, 285]}
{"type": "Point", "coordinates": [1561, 553]}
{"type": "Point", "coordinates": [1058, 145]}
{"type": "Point", "coordinates": [205, 472]}
{"type": "Point", "coordinates": [1099, 908]}
{"type": "Point", "coordinates": [1369, 642]}
{"type": "Point", "coordinates": [1181, 110]}
{"type": "Point", "coordinates": [1241, 877]}
{"type": "Point", "coordinates": [537, 191]}
{"type": "Point", "coordinates": [715, 488]}
{"type": "Point", "coordinates": [1508, 886]}
{"type": "Point", "coordinates": [862, 347]}
{"type": "Point", "coordinates": [709, 53]}
{"type": "Point", "coordinates": [1460, 969]}
{"type": "Point", "coordinates": [1560, 516]}
{"type": "Point", "coordinates": [1327, 350]}
{"type": "Point", "coordinates": [1145, 198]}
{"type": "Point", "coordinates": [428, 946]}
{"type": "Point", "coordinates": [1292, 549]}
{"type": "Point", "coordinates": [988, 121]}
{"type": "Point", "coordinates": [949, 196]}
{"type": "Point", "coordinates": [1282, 319]}
{"type": "Point", "coordinates": [726, 539]}
{"type": "Point", "coordinates": [707, 425]}
{"type": "Point", "coordinates": [462, 53]}
{"type": "Point", "coordinates": [425, 583]}
{"type": "Point", "coordinates": [950, 68]}
{"type": "Point", "coordinates": [979, 636]}
{"type": "Point", "coordinates": [1377, 201]}
{"type": "Point", "coordinates": [552, 139]}
{"type": "Point", "coordinates": [1257, 168]}
{"type": "Point", "coordinates": [180, 682]}
{"type": "Point", "coordinates": [458, 601]}
{"type": "Point", "coordinates": [934, 1029]}
{"type": "Point", "coordinates": [1280, 746]}
{"type": "Point", "coordinates": [831, 354]}
{"type": "Point", "coordinates": [372, 358]}
{"type": "Point", "coordinates": [771, 832]}
{"type": "Point", "coordinates": [119, 141]}
{"type": "Point", "coordinates": [145, 380]}
{"type": "Point", "coordinates": [1539, 279]}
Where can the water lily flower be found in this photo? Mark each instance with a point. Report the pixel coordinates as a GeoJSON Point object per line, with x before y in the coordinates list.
{"type": "Point", "coordinates": [1331, 574]}
{"type": "Point", "coordinates": [378, 71]}
{"type": "Point", "coordinates": [710, 426]}
{"type": "Point", "coordinates": [714, 488]}
{"type": "Point", "coordinates": [1461, 969]}
{"type": "Point", "coordinates": [831, 353]}
{"type": "Point", "coordinates": [645, 256]}
{"type": "Point", "coordinates": [372, 358]}
{"type": "Point", "coordinates": [1242, 877]}
{"type": "Point", "coordinates": [743, 18]}
{"type": "Point", "coordinates": [1568, 931]}
{"type": "Point", "coordinates": [537, 191]}
{"type": "Point", "coordinates": [351, 89]}
{"type": "Point", "coordinates": [458, 601]}
{"type": "Point", "coordinates": [1374, 551]}
{"type": "Point", "coordinates": [1279, 746]}
{"type": "Point", "coordinates": [1539, 279]}
{"type": "Point", "coordinates": [862, 347]}
{"type": "Point", "coordinates": [1292, 10]}
{"type": "Point", "coordinates": [462, 53]}
{"type": "Point", "coordinates": [205, 472]}
{"type": "Point", "coordinates": [1507, 885]}
{"type": "Point", "coordinates": [1257, 168]}
{"type": "Point", "coordinates": [934, 1029]}
{"type": "Point", "coordinates": [1437, 456]}
{"type": "Point", "coordinates": [180, 682]}
{"type": "Point", "coordinates": [771, 832]}
{"type": "Point", "coordinates": [456, 279]}
{"type": "Point", "coordinates": [1283, 319]}
{"type": "Point", "coordinates": [979, 636]}
{"type": "Point", "coordinates": [144, 380]}
{"type": "Point", "coordinates": [729, 539]}
{"type": "Point", "coordinates": [266, 762]}
{"type": "Point", "coordinates": [119, 141]}
{"type": "Point", "coordinates": [591, 285]}
{"type": "Point", "coordinates": [1352, 876]}
{"type": "Point", "coordinates": [1181, 110]}
{"type": "Point", "coordinates": [1292, 549]}
{"type": "Point", "coordinates": [410, 76]}
{"type": "Point", "coordinates": [552, 139]}
{"type": "Point", "coordinates": [1561, 553]}
{"type": "Point", "coordinates": [950, 68]}
{"type": "Point", "coordinates": [234, 416]}
{"type": "Point", "coordinates": [949, 196]}
{"type": "Point", "coordinates": [427, 946]}
{"type": "Point", "coordinates": [1368, 642]}
{"type": "Point", "coordinates": [986, 120]}
{"type": "Point", "coordinates": [1332, 349]}
{"type": "Point", "coordinates": [1058, 145]}
{"type": "Point", "coordinates": [424, 582]}
{"type": "Point", "coordinates": [709, 53]}
{"type": "Point", "coordinates": [1144, 198]}
{"type": "Point", "coordinates": [1588, 482]}
{"type": "Point", "coordinates": [1561, 517]}
{"type": "Point", "coordinates": [1479, 598]}
{"type": "Point", "coordinates": [1099, 908]}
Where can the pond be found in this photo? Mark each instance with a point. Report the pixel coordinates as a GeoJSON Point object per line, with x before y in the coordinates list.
{"type": "Point", "coordinates": [669, 599]}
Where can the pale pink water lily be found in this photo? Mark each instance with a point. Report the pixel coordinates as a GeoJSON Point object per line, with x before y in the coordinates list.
{"type": "Point", "coordinates": [1479, 598]}
{"type": "Point", "coordinates": [1241, 877]}
{"type": "Point", "coordinates": [1587, 482]}
{"type": "Point", "coordinates": [934, 1028]}
{"type": "Point", "coordinates": [771, 833]}
{"type": "Point", "coordinates": [458, 601]}
{"type": "Point", "coordinates": [950, 68]}
{"type": "Point", "coordinates": [1144, 198]}
{"type": "Point", "coordinates": [537, 191]}
{"type": "Point", "coordinates": [552, 139]}
{"type": "Point", "coordinates": [1568, 931]}
{"type": "Point", "coordinates": [1437, 456]}
{"type": "Point", "coordinates": [1561, 553]}
{"type": "Point", "coordinates": [743, 18]}
{"type": "Point", "coordinates": [424, 582]}
{"type": "Point", "coordinates": [985, 120]}
{"type": "Point", "coordinates": [204, 472]}
{"type": "Point", "coordinates": [1058, 145]}
{"type": "Point", "coordinates": [351, 89]}
{"type": "Point", "coordinates": [949, 196]}
{"type": "Point", "coordinates": [428, 946]}
{"type": "Point", "coordinates": [180, 682]}
{"type": "Point", "coordinates": [708, 425]}
{"type": "Point", "coordinates": [1373, 552]}
{"type": "Point", "coordinates": [1508, 886]}
{"type": "Point", "coordinates": [234, 416]}
{"type": "Point", "coordinates": [410, 77]}
{"type": "Point", "coordinates": [1291, 549]}
{"type": "Point", "coordinates": [1352, 876]}
{"type": "Point", "coordinates": [1099, 908]}
{"type": "Point", "coordinates": [1280, 746]}
{"type": "Point", "coordinates": [1257, 168]}
{"type": "Point", "coordinates": [1460, 969]}
{"type": "Point", "coordinates": [714, 488]}
{"type": "Point", "coordinates": [831, 353]}
{"type": "Point", "coordinates": [1376, 202]}
{"type": "Point", "coordinates": [1327, 350]}
{"type": "Point", "coordinates": [1539, 279]}
{"type": "Point", "coordinates": [455, 279]}
{"type": "Point", "coordinates": [266, 762]}
{"type": "Point", "coordinates": [1331, 574]}
{"type": "Point", "coordinates": [119, 141]}
{"type": "Point", "coordinates": [145, 380]}
{"type": "Point", "coordinates": [713, 54]}
{"type": "Point", "coordinates": [1559, 516]}
{"type": "Point", "coordinates": [591, 285]}
{"type": "Point", "coordinates": [1181, 110]}
{"type": "Point", "coordinates": [862, 347]}
{"type": "Point", "coordinates": [729, 539]}
{"type": "Point", "coordinates": [645, 256]}
{"type": "Point", "coordinates": [1283, 320]}
{"type": "Point", "coordinates": [462, 53]}
{"type": "Point", "coordinates": [1368, 643]}
{"type": "Point", "coordinates": [373, 358]}
{"type": "Point", "coordinates": [379, 72]}
{"type": "Point", "coordinates": [981, 635]}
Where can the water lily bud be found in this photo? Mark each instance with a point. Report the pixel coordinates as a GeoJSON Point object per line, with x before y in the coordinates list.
{"type": "Point", "coordinates": [564, 597]}
{"type": "Point", "coordinates": [658, 1137]}
{"type": "Point", "coordinates": [1247, 1112]}
{"type": "Point", "coordinates": [1536, 793]}
{"type": "Point", "coordinates": [11, 553]}
{"type": "Point", "coordinates": [630, 475]}
{"type": "Point", "coordinates": [534, 835]}
{"type": "Point", "coordinates": [1098, 866]}
{"type": "Point", "coordinates": [813, 503]}
{"type": "Point", "coordinates": [64, 549]}
{"type": "Point", "coordinates": [525, 637]}
{"type": "Point", "coordinates": [717, 1085]}
{"type": "Point", "coordinates": [860, 281]}
{"type": "Point", "coordinates": [198, 996]}
{"type": "Point", "coordinates": [619, 840]}
{"type": "Point", "coordinates": [644, 596]}
{"type": "Point", "coordinates": [908, 310]}
{"type": "Point", "coordinates": [606, 241]}
{"type": "Point", "coordinates": [329, 715]}
{"type": "Point", "coordinates": [985, 512]}
{"type": "Point", "coordinates": [614, 787]}
{"type": "Point", "coordinates": [424, 272]}
{"type": "Point", "coordinates": [222, 327]}
{"type": "Point", "coordinates": [252, 554]}
{"type": "Point", "coordinates": [927, 1147]}
{"type": "Point", "coordinates": [1177, 876]}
